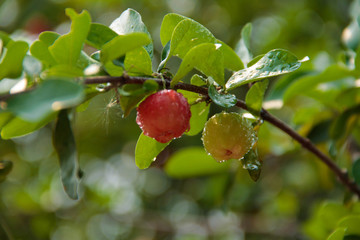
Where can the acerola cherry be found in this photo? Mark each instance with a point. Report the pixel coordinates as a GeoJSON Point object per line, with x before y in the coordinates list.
{"type": "Point", "coordinates": [228, 136]}
{"type": "Point", "coordinates": [164, 115]}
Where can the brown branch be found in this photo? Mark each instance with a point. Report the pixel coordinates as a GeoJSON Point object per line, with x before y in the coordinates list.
{"type": "Point", "coordinates": [265, 115]}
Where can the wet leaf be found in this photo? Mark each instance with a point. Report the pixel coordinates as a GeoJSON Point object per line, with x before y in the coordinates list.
{"type": "Point", "coordinates": [252, 163]}
{"type": "Point", "coordinates": [222, 99]}
{"type": "Point", "coordinates": [130, 22]}
{"type": "Point", "coordinates": [275, 62]}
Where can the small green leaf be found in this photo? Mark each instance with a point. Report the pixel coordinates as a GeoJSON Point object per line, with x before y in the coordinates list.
{"type": "Point", "coordinates": [5, 169]}
{"type": "Point", "coordinates": [356, 171]}
{"type": "Point", "coordinates": [11, 63]}
{"type": "Point", "coordinates": [255, 96]}
{"type": "Point", "coordinates": [66, 49]}
{"type": "Point", "coordinates": [231, 59]}
{"type": "Point", "coordinates": [168, 25]}
{"type": "Point", "coordinates": [129, 22]}
{"type": "Point", "coordinates": [193, 162]}
{"type": "Point", "coordinates": [197, 80]}
{"type": "Point", "coordinates": [338, 234]}
{"type": "Point", "coordinates": [165, 54]}
{"type": "Point", "coordinates": [275, 62]}
{"type": "Point", "coordinates": [205, 57]}
{"type": "Point", "coordinates": [243, 46]}
{"type": "Point", "coordinates": [48, 37]}
{"type": "Point", "coordinates": [222, 99]}
{"type": "Point", "coordinates": [64, 144]}
{"type": "Point", "coordinates": [17, 127]}
{"type": "Point", "coordinates": [122, 44]}
{"type": "Point", "coordinates": [138, 62]}
{"type": "Point", "coordinates": [48, 97]}
{"type": "Point", "coordinates": [40, 48]}
{"type": "Point", "coordinates": [99, 35]}
{"type": "Point", "coordinates": [147, 150]}
{"type": "Point", "coordinates": [252, 163]}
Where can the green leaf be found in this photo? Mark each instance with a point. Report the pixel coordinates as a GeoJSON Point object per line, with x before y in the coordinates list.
{"type": "Point", "coordinates": [252, 163]}
{"type": "Point", "coordinates": [18, 127]}
{"type": "Point", "coordinates": [122, 44]}
{"type": "Point", "coordinates": [62, 70]}
{"type": "Point", "coordinates": [255, 96]}
{"type": "Point", "coordinates": [5, 118]}
{"type": "Point", "coordinates": [205, 57]}
{"type": "Point", "coordinates": [308, 82]}
{"type": "Point", "coordinates": [351, 223]}
{"type": "Point", "coordinates": [64, 144]}
{"type": "Point", "coordinates": [138, 62]}
{"type": "Point", "coordinates": [11, 63]}
{"type": "Point", "coordinates": [243, 46]}
{"type": "Point", "coordinates": [338, 127]}
{"type": "Point", "coordinates": [231, 59]}
{"type": "Point", "coordinates": [188, 34]}
{"type": "Point", "coordinates": [222, 99]}
{"type": "Point", "coordinates": [48, 97]}
{"type": "Point", "coordinates": [199, 112]}
{"type": "Point", "coordinates": [66, 49]}
{"type": "Point", "coordinates": [165, 54]}
{"type": "Point", "coordinates": [5, 169]}
{"type": "Point", "coordinates": [193, 162]}
{"type": "Point", "coordinates": [168, 25]}
{"type": "Point", "coordinates": [40, 48]}
{"type": "Point", "coordinates": [5, 38]}
{"type": "Point", "coordinates": [129, 22]}
{"type": "Point", "coordinates": [338, 234]}
{"type": "Point", "coordinates": [99, 35]}
{"type": "Point", "coordinates": [356, 171]}
{"type": "Point", "coordinates": [275, 62]}
{"type": "Point", "coordinates": [146, 151]}
{"type": "Point", "coordinates": [197, 80]}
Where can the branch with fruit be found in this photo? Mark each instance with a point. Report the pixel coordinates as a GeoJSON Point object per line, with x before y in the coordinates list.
{"type": "Point", "coordinates": [59, 78]}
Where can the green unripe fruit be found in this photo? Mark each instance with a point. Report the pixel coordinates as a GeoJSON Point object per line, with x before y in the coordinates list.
{"type": "Point", "coordinates": [228, 136]}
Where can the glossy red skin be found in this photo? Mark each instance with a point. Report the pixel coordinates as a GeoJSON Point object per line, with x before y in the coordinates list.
{"type": "Point", "coordinates": [164, 115]}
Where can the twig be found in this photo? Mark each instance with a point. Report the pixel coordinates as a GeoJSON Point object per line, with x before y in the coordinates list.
{"type": "Point", "coordinates": [265, 115]}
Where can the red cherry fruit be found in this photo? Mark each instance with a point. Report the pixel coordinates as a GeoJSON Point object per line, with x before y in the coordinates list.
{"type": "Point", "coordinates": [164, 115]}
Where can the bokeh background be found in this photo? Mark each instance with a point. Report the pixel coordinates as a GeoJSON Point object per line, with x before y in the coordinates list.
{"type": "Point", "coordinates": [118, 201]}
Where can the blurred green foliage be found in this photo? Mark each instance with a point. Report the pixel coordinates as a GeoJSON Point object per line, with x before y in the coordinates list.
{"type": "Point", "coordinates": [119, 201]}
